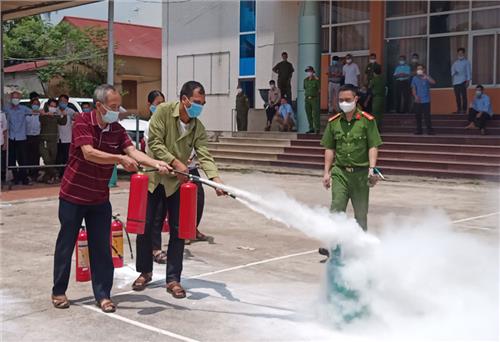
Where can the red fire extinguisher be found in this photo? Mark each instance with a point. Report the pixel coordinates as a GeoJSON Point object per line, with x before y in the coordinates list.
{"type": "Point", "coordinates": [188, 212]}
{"type": "Point", "coordinates": [166, 226]}
{"type": "Point", "coordinates": [137, 203]}
{"type": "Point", "coordinates": [117, 242]}
{"type": "Point", "coordinates": [82, 257]}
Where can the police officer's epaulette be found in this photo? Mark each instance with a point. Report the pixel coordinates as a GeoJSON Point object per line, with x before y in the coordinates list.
{"type": "Point", "coordinates": [334, 117]}
{"type": "Point", "coordinates": [368, 116]}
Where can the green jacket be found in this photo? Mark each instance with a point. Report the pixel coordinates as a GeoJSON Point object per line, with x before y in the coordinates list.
{"type": "Point", "coordinates": [351, 140]}
{"type": "Point", "coordinates": [49, 126]}
{"type": "Point", "coordinates": [242, 104]}
{"type": "Point", "coordinates": [312, 87]}
{"type": "Point", "coordinates": [166, 143]}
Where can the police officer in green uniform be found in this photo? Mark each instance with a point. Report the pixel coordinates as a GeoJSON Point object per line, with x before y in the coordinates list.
{"type": "Point", "coordinates": [312, 87]}
{"type": "Point", "coordinates": [351, 142]}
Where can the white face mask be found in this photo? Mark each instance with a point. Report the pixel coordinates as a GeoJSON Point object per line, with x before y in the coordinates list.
{"type": "Point", "coordinates": [373, 60]}
{"type": "Point", "coordinates": [420, 72]}
{"type": "Point", "coordinates": [15, 101]}
{"type": "Point", "coordinates": [347, 107]}
{"type": "Point", "coordinates": [479, 93]}
{"type": "Point", "coordinates": [52, 109]}
{"type": "Point", "coordinates": [239, 90]}
{"type": "Point", "coordinates": [309, 73]}
{"type": "Point", "coordinates": [349, 61]}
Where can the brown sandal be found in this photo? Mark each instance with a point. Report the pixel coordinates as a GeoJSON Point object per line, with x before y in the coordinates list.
{"type": "Point", "coordinates": [60, 301]}
{"type": "Point", "coordinates": [176, 290]}
{"type": "Point", "coordinates": [106, 305]}
{"type": "Point", "coordinates": [141, 282]}
{"type": "Point", "coordinates": [160, 257]}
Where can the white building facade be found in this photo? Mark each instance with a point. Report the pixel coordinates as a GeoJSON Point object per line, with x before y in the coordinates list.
{"type": "Point", "coordinates": [225, 43]}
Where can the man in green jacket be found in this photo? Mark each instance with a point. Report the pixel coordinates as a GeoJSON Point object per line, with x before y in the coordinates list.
{"type": "Point", "coordinates": [312, 87]}
{"type": "Point", "coordinates": [378, 92]}
{"type": "Point", "coordinates": [174, 132]}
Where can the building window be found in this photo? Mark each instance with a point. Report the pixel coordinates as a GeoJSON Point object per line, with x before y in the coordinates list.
{"type": "Point", "coordinates": [345, 27]}
{"type": "Point", "coordinates": [436, 29]}
{"type": "Point", "coordinates": [442, 54]}
{"type": "Point", "coordinates": [247, 38]}
{"type": "Point", "coordinates": [247, 16]}
{"type": "Point", "coordinates": [247, 49]}
{"type": "Point", "coordinates": [405, 8]}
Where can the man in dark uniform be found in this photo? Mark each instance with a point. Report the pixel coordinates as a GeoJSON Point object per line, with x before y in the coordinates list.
{"type": "Point", "coordinates": [285, 70]}
{"type": "Point", "coordinates": [351, 142]}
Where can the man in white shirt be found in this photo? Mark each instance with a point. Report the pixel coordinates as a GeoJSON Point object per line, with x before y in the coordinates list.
{"type": "Point", "coordinates": [4, 138]}
{"type": "Point", "coordinates": [350, 71]}
{"type": "Point", "coordinates": [64, 132]}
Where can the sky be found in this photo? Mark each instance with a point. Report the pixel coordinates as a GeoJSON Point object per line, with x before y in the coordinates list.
{"type": "Point", "coordinates": [143, 12]}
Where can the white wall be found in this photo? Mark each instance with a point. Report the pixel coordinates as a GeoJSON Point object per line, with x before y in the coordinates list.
{"type": "Point", "coordinates": [196, 28]}
{"type": "Point", "coordinates": [277, 31]}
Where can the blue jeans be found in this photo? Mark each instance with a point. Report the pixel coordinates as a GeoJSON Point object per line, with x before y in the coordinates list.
{"type": "Point", "coordinates": [98, 224]}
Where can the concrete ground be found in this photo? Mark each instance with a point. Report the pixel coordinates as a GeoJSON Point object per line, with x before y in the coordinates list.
{"type": "Point", "coordinates": [259, 281]}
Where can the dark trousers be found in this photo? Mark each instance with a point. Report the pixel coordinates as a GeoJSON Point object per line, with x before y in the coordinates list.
{"type": "Point", "coordinates": [402, 96]}
{"type": "Point", "coordinates": [423, 109]}
{"type": "Point", "coordinates": [242, 120]}
{"type": "Point", "coordinates": [4, 165]}
{"type": "Point", "coordinates": [461, 96]}
{"type": "Point", "coordinates": [157, 202]}
{"type": "Point", "coordinates": [157, 227]}
{"type": "Point", "coordinates": [62, 156]}
{"type": "Point", "coordinates": [17, 153]}
{"type": "Point", "coordinates": [270, 112]}
{"type": "Point", "coordinates": [480, 121]}
{"type": "Point", "coordinates": [33, 154]}
{"type": "Point", "coordinates": [286, 90]}
{"type": "Point", "coordinates": [98, 225]}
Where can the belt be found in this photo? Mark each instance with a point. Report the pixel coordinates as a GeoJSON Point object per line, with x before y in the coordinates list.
{"type": "Point", "coordinates": [354, 168]}
{"type": "Point", "coordinates": [310, 97]}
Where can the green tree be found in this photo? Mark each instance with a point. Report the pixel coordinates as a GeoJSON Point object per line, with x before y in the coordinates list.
{"type": "Point", "coordinates": [77, 56]}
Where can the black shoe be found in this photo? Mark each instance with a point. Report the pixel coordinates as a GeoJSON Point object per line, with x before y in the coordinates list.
{"type": "Point", "coordinates": [311, 131]}
{"type": "Point", "coordinates": [316, 131]}
{"type": "Point", "coordinates": [418, 133]}
{"type": "Point", "coordinates": [430, 132]}
{"type": "Point", "coordinates": [324, 251]}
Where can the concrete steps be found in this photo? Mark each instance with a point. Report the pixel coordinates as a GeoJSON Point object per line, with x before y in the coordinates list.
{"type": "Point", "coordinates": [460, 153]}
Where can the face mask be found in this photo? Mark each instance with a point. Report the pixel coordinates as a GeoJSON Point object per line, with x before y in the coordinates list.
{"type": "Point", "coordinates": [63, 105]}
{"type": "Point", "coordinates": [272, 86]}
{"type": "Point", "coordinates": [414, 60]}
{"type": "Point", "coordinates": [15, 102]}
{"type": "Point", "coordinates": [152, 108]}
{"type": "Point", "coordinates": [349, 61]}
{"type": "Point", "coordinates": [35, 107]}
{"type": "Point", "coordinates": [110, 116]}
{"type": "Point", "coordinates": [347, 107]}
{"type": "Point", "coordinates": [86, 110]}
{"type": "Point", "coordinates": [420, 72]}
{"type": "Point", "coordinates": [195, 110]}
{"type": "Point", "coordinates": [52, 109]}
{"type": "Point", "coordinates": [373, 61]}
{"type": "Point", "coordinates": [401, 62]}
{"type": "Point", "coordinates": [461, 57]}
{"type": "Point", "coordinates": [334, 62]}
{"type": "Point", "coordinates": [479, 93]}
{"type": "Point", "coordinates": [309, 73]}
{"type": "Point", "coordinates": [239, 91]}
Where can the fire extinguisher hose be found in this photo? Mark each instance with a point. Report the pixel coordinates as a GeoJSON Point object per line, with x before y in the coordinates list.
{"type": "Point", "coordinates": [195, 179]}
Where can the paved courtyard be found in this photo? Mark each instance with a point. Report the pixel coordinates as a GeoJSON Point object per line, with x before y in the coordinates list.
{"type": "Point", "coordinates": [259, 281]}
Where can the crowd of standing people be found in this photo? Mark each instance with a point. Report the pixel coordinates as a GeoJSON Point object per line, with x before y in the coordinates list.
{"type": "Point", "coordinates": [32, 131]}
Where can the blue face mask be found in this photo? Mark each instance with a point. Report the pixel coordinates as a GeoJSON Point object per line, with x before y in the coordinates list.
{"type": "Point", "coordinates": [63, 105]}
{"type": "Point", "coordinates": [152, 108]}
{"type": "Point", "coordinates": [195, 110]}
{"type": "Point", "coordinates": [334, 62]}
{"type": "Point", "coordinates": [110, 116]}
{"type": "Point", "coordinates": [86, 110]}
{"type": "Point", "coordinates": [35, 107]}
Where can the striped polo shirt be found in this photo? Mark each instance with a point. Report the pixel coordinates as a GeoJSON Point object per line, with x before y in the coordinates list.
{"type": "Point", "coordinates": [85, 182]}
